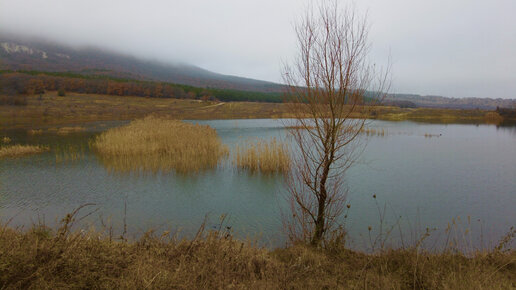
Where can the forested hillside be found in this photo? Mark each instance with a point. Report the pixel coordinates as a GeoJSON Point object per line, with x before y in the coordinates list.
{"type": "Point", "coordinates": [35, 82]}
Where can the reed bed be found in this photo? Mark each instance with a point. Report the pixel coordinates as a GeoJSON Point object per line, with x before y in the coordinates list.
{"type": "Point", "coordinates": [380, 132]}
{"type": "Point", "coordinates": [493, 118]}
{"type": "Point", "coordinates": [261, 155]}
{"type": "Point", "coordinates": [428, 135]}
{"type": "Point", "coordinates": [13, 151]}
{"type": "Point", "coordinates": [374, 132]}
{"type": "Point", "coordinates": [69, 130]}
{"type": "Point", "coordinates": [299, 127]}
{"type": "Point", "coordinates": [69, 154]}
{"type": "Point", "coordinates": [35, 132]}
{"type": "Point", "coordinates": [157, 144]}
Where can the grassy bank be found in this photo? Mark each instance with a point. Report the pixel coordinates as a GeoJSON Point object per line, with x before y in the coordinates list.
{"type": "Point", "coordinates": [80, 108]}
{"type": "Point", "coordinates": [45, 259]}
{"type": "Point", "coordinates": [440, 116]}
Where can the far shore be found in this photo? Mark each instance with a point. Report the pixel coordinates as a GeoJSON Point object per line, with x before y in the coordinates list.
{"type": "Point", "coordinates": [76, 108]}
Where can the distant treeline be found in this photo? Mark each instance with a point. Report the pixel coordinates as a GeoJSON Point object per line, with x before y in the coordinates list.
{"type": "Point", "coordinates": [507, 113]}
{"type": "Point", "coordinates": [36, 82]}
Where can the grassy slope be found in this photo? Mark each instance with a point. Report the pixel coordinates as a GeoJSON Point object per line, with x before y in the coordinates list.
{"type": "Point", "coordinates": [42, 260]}
{"type": "Point", "coordinates": [78, 108]}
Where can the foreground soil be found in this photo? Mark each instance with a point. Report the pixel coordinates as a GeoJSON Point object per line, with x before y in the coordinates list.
{"type": "Point", "coordinates": [42, 259]}
{"type": "Point", "coordinates": [81, 108]}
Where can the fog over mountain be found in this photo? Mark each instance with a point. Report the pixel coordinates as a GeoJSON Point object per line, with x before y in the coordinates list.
{"type": "Point", "coordinates": [27, 54]}
{"type": "Point", "coordinates": [18, 53]}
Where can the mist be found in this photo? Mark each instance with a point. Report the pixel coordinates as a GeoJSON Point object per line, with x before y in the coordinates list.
{"type": "Point", "coordinates": [460, 48]}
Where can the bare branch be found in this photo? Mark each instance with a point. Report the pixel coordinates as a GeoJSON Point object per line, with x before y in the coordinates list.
{"type": "Point", "coordinates": [331, 88]}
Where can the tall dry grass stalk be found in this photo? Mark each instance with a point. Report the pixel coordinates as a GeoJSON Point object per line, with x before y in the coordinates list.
{"type": "Point", "coordinates": [20, 150]}
{"type": "Point", "coordinates": [157, 144]}
{"type": "Point", "coordinates": [261, 155]}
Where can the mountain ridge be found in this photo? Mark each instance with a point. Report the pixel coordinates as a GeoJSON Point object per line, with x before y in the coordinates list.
{"type": "Point", "coordinates": [17, 53]}
{"type": "Point", "coordinates": [27, 54]}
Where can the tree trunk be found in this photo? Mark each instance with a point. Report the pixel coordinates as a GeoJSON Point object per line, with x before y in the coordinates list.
{"type": "Point", "coordinates": [319, 223]}
{"type": "Point", "coordinates": [321, 210]}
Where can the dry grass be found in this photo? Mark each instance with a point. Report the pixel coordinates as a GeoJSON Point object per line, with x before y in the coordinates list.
{"type": "Point", "coordinates": [428, 135]}
{"type": "Point", "coordinates": [493, 118]}
{"type": "Point", "coordinates": [374, 132]}
{"type": "Point", "coordinates": [6, 140]}
{"type": "Point", "coordinates": [44, 259]}
{"type": "Point", "coordinates": [54, 110]}
{"type": "Point", "coordinates": [433, 115]}
{"type": "Point", "coordinates": [69, 130]}
{"type": "Point", "coordinates": [13, 151]}
{"type": "Point", "coordinates": [79, 108]}
{"type": "Point", "coordinates": [35, 132]}
{"type": "Point", "coordinates": [263, 156]}
{"type": "Point", "coordinates": [69, 153]}
{"type": "Point", "coordinates": [159, 144]}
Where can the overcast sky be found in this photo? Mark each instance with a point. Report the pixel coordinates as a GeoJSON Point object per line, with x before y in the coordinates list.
{"type": "Point", "coordinates": [455, 48]}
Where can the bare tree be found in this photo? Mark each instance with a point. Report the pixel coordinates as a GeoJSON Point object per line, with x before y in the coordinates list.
{"type": "Point", "coordinates": [332, 89]}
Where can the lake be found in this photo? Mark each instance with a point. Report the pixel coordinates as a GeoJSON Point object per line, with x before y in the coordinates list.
{"type": "Point", "coordinates": [423, 175]}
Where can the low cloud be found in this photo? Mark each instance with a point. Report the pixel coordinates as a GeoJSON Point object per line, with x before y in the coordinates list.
{"type": "Point", "coordinates": [461, 48]}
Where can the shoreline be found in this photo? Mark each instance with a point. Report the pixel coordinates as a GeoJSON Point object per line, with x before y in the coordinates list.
{"type": "Point", "coordinates": [45, 258]}
{"type": "Point", "coordinates": [79, 109]}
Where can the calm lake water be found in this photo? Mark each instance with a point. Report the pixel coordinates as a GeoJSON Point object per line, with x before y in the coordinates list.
{"type": "Point", "coordinates": [463, 171]}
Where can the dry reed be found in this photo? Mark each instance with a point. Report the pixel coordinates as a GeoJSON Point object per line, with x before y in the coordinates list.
{"type": "Point", "coordinates": [35, 132]}
{"type": "Point", "coordinates": [6, 140]}
{"type": "Point", "coordinates": [68, 130]}
{"type": "Point", "coordinates": [69, 153]}
{"type": "Point", "coordinates": [374, 132]}
{"type": "Point", "coordinates": [42, 258]}
{"type": "Point", "coordinates": [493, 118]}
{"type": "Point", "coordinates": [21, 150]}
{"type": "Point", "coordinates": [261, 155]}
{"type": "Point", "coordinates": [157, 144]}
